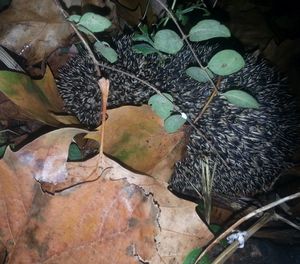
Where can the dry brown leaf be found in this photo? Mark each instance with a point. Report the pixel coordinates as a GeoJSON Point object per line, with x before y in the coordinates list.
{"type": "Point", "coordinates": [45, 158]}
{"type": "Point", "coordinates": [107, 221]}
{"type": "Point", "coordinates": [136, 137]}
{"type": "Point", "coordinates": [38, 99]}
{"type": "Point", "coordinates": [33, 29]}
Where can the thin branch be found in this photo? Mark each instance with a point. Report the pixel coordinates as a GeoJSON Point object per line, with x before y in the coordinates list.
{"type": "Point", "coordinates": [252, 230]}
{"type": "Point", "coordinates": [245, 218]}
{"type": "Point", "coordinates": [212, 96]}
{"type": "Point", "coordinates": [281, 218]}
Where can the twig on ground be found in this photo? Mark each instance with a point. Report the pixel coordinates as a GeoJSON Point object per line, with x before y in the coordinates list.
{"type": "Point", "coordinates": [245, 218]}
{"type": "Point", "coordinates": [253, 229]}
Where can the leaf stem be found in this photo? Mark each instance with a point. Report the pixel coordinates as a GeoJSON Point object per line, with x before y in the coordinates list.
{"type": "Point", "coordinates": [104, 87]}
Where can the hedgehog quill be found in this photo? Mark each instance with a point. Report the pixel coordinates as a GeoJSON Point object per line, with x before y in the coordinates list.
{"type": "Point", "coordinates": [256, 144]}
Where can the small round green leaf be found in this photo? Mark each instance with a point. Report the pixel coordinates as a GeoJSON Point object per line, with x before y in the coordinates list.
{"type": "Point", "coordinates": [173, 123]}
{"type": "Point", "coordinates": [107, 52]}
{"type": "Point", "coordinates": [226, 62]}
{"type": "Point", "coordinates": [167, 41]}
{"type": "Point", "coordinates": [193, 255]}
{"type": "Point", "coordinates": [199, 74]}
{"type": "Point", "coordinates": [74, 152]}
{"type": "Point", "coordinates": [241, 99]}
{"type": "Point", "coordinates": [74, 18]}
{"type": "Point", "coordinates": [94, 22]}
{"type": "Point", "coordinates": [2, 151]}
{"type": "Point", "coordinates": [207, 29]}
{"type": "Point", "coordinates": [161, 105]}
{"type": "Point", "coordinates": [144, 49]}
{"type": "Point", "coordinates": [215, 229]}
{"type": "Point", "coordinates": [142, 37]}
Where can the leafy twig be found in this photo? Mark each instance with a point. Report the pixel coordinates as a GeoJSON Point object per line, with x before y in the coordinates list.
{"type": "Point", "coordinates": [187, 42]}
{"type": "Point", "coordinates": [90, 52]}
{"type": "Point", "coordinates": [245, 218]}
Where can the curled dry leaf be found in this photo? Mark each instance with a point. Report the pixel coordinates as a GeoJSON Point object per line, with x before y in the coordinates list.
{"type": "Point", "coordinates": [112, 220]}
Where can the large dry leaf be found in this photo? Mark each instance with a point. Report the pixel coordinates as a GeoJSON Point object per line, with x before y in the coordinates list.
{"type": "Point", "coordinates": [121, 218]}
{"type": "Point", "coordinates": [33, 29]}
{"type": "Point", "coordinates": [136, 137]}
{"type": "Point", "coordinates": [38, 99]}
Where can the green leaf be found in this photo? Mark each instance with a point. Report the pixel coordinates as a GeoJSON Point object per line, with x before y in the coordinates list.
{"type": "Point", "coordinates": [241, 99]}
{"type": "Point", "coordinates": [226, 62]}
{"type": "Point", "coordinates": [74, 18]}
{"type": "Point", "coordinates": [173, 123]}
{"type": "Point", "coordinates": [207, 29]}
{"type": "Point", "coordinates": [142, 37]}
{"type": "Point", "coordinates": [2, 151]}
{"type": "Point", "coordinates": [144, 49]}
{"type": "Point", "coordinates": [107, 52]}
{"type": "Point", "coordinates": [199, 74]}
{"type": "Point", "coordinates": [167, 41]}
{"type": "Point", "coordinates": [215, 229]}
{"type": "Point", "coordinates": [193, 255]}
{"type": "Point", "coordinates": [161, 105]}
{"type": "Point", "coordinates": [94, 22]}
{"type": "Point", "coordinates": [74, 152]}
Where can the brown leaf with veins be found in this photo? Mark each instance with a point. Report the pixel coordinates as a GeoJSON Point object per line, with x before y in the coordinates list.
{"type": "Point", "coordinates": [33, 29]}
{"type": "Point", "coordinates": [135, 136]}
{"type": "Point", "coordinates": [112, 220]}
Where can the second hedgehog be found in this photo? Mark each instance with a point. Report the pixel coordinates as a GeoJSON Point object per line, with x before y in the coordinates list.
{"type": "Point", "coordinates": [251, 147]}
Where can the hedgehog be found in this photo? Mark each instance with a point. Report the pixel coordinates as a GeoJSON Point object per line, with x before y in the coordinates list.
{"type": "Point", "coordinates": [250, 148]}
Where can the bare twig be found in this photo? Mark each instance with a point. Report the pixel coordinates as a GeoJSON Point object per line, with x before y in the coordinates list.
{"type": "Point", "coordinates": [233, 247]}
{"type": "Point", "coordinates": [245, 218]}
{"type": "Point", "coordinates": [212, 96]}
{"type": "Point", "coordinates": [214, 93]}
{"type": "Point", "coordinates": [281, 218]}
